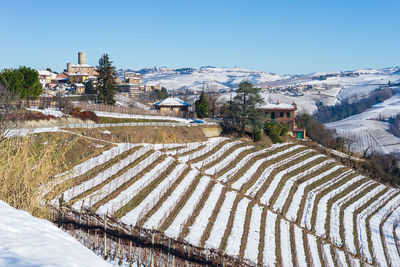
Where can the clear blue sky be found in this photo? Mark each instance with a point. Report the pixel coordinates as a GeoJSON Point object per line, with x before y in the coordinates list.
{"type": "Point", "coordinates": [276, 36]}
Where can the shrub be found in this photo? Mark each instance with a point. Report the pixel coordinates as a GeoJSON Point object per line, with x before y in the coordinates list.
{"type": "Point", "coordinates": [88, 115]}
{"type": "Point", "coordinates": [76, 111]}
{"type": "Point", "coordinates": [274, 130]}
{"type": "Point", "coordinates": [28, 116]}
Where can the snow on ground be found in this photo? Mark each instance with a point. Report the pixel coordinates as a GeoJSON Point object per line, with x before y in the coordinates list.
{"type": "Point", "coordinates": [361, 222]}
{"type": "Point", "coordinates": [26, 131]}
{"type": "Point", "coordinates": [218, 230]}
{"type": "Point", "coordinates": [298, 195]}
{"type": "Point", "coordinates": [125, 196]}
{"type": "Point", "coordinates": [158, 217]}
{"type": "Point", "coordinates": [266, 197]}
{"type": "Point", "coordinates": [284, 193]}
{"type": "Point", "coordinates": [391, 246]}
{"type": "Point", "coordinates": [212, 143]}
{"type": "Point", "coordinates": [176, 226]}
{"type": "Point", "coordinates": [227, 160]}
{"type": "Point", "coordinates": [253, 190]}
{"type": "Point", "coordinates": [209, 78]}
{"type": "Point", "coordinates": [47, 111]}
{"type": "Point", "coordinates": [232, 171]}
{"type": "Point", "coordinates": [235, 238]}
{"type": "Point", "coordinates": [286, 252]}
{"type": "Point", "coordinates": [89, 164]}
{"type": "Point", "coordinates": [367, 132]}
{"type": "Point", "coordinates": [335, 222]}
{"type": "Point", "coordinates": [322, 211]}
{"type": "Point", "coordinates": [326, 250]}
{"type": "Point", "coordinates": [200, 224]}
{"type": "Point", "coordinates": [104, 191]}
{"type": "Point", "coordinates": [253, 169]}
{"type": "Point", "coordinates": [348, 222]}
{"type": "Point", "coordinates": [216, 155]}
{"type": "Point", "coordinates": [300, 250]}
{"type": "Point", "coordinates": [29, 241]}
{"type": "Point", "coordinates": [133, 216]}
{"type": "Point", "coordinates": [313, 247]}
{"type": "Point", "coordinates": [322, 207]}
{"type": "Point", "coordinates": [104, 175]}
{"type": "Point", "coordinates": [311, 196]}
{"type": "Point", "coordinates": [253, 237]}
{"type": "Point", "coordinates": [269, 253]}
{"type": "Point", "coordinates": [374, 224]}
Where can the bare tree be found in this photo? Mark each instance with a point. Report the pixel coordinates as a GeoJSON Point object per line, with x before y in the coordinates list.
{"type": "Point", "coordinates": [7, 103]}
{"type": "Point", "coordinates": [212, 96]}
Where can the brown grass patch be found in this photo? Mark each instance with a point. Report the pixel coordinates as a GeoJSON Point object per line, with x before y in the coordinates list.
{"type": "Point", "coordinates": [145, 134]}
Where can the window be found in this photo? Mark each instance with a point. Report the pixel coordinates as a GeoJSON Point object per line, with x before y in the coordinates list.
{"type": "Point", "coordinates": [281, 115]}
{"type": "Point", "coordinates": [266, 113]}
{"type": "Point", "coordinates": [288, 114]}
{"type": "Point", "coordinates": [272, 115]}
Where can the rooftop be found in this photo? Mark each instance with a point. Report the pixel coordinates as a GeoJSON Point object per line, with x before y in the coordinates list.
{"type": "Point", "coordinates": [171, 101]}
{"type": "Point", "coordinates": [81, 66]}
{"type": "Point", "coordinates": [78, 74]}
{"type": "Point", "coordinates": [278, 106]}
{"type": "Point", "coordinates": [45, 72]}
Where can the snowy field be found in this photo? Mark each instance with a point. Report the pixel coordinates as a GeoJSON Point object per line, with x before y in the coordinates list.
{"type": "Point", "coordinates": [285, 204]}
{"type": "Point", "coordinates": [29, 241]}
{"type": "Point", "coordinates": [367, 132]}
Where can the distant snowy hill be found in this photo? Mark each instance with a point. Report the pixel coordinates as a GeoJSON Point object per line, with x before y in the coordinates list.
{"type": "Point", "coordinates": [210, 77]}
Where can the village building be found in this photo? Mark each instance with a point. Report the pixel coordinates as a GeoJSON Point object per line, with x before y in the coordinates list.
{"type": "Point", "coordinates": [130, 86]}
{"type": "Point", "coordinates": [285, 114]}
{"type": "Point", "coordinates": [79, 88]}
{"type": "Point", "coordinates": [150, 86]}
{"type": "Point", "coordinates": [81, 67]}
{"type": "Point", "coordinates": [172, 106]}
{"type": "Point", "coordinates": [46, 77]}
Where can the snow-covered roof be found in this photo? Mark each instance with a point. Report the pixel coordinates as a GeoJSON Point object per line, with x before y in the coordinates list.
{"type": "Point", "coordinates": [45, 72]}
{"type": "Point", "coordinates": [79, 85]}
{"type": "Point", "coordinates": [278, 106]}
{"type": "Point", "coordinates": [171, 101]}
{"type": "Point", "coordinates": [81, 66]}
{"type": "Point", "coordinates": [78, 74]}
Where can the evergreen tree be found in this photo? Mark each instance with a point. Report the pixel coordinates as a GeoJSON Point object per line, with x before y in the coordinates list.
{"type": "Point", "coordinates": [106, 84]}
{"type": "Point", "coordinates": [201, 106]}
{"type": "Point", "coordinates": [244, 111]}
{"type": "Point", "coordinates": [89, 88]}
{"type": "Point", "coordinates": [22, 82]}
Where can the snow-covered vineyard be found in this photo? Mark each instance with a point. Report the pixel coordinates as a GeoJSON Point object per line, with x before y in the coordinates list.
{"type": "Point", "coordinates": [285, 205]}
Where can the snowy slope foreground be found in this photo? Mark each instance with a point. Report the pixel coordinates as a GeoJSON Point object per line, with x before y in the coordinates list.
{"type": "Point", "coordinates": [29, 241]}
{"type": "Point", "coordinates": [284, 205]}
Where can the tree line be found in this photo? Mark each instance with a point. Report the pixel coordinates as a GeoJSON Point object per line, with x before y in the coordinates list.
{"type": "Point", "coordinates": [350, 107]}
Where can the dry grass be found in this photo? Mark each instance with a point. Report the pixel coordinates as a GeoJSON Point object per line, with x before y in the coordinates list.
{"type": "Point", "coordinates": [27, 163]}
{"type": "Point", "coordinates": [145, 134]}
{"type": "Point", "coordinates": [125, 120]}
{"type": "Point", "coordinates": [53, 123]}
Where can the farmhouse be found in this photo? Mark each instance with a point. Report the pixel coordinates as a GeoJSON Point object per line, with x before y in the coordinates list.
{"type": "Point", "coordinates": [283, 113]}
{"type": "Point", "coordinates": [172, 106]}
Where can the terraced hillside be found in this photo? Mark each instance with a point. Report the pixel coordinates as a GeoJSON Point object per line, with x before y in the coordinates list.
{"type": "Point", "coordinates": [284, 205]}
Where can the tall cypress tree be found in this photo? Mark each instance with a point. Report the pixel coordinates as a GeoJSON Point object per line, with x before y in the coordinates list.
{"type": "Point", "coordinates": [201, 106]}
{"type": "Point", "coordinates": [106, 84]}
